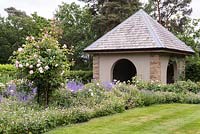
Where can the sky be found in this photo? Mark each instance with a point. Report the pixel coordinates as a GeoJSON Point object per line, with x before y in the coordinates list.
{"type": "Point", "coordinates": [46, 8]}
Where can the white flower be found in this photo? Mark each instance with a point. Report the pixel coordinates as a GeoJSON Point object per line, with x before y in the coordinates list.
{"type": "Point", "coordinates": [64, 46]}
{"type": "Point", "coordinates": [48, 50]}
{"type": "Point", "coordinates": [31, 66]}
{"type": "Point", "coordinates": [27, 38]}
{"type": "Point", "coordinates": [31, 72]}
{"type": "Point", "coordinates": [98, 84]}
{"type": "Point", "coordinates": [32, 38]}
{"type": "Point", "coordinates": [90, 90]}
{"type": "Point", "coordinates": [20, 65]}
{"type": "Point", "coordinates": [17, 64]}
{"type": "Point", "coordinates": [11, 91]}
{"type": "Point", "coordinates": [20, 49]}
{"type": "Point", "coordinates": [62, 84]}
{"type": "Point", "coordinates": [62, 72]}
{"type": "Point", "coordinates": [46, 35]}
{"type": "Point", "coordinates": [56, 65]}
{"type": "Point", "coordinates": [27, 64]}
{"type": "Point", "coordinates": [38, 61]}
{"type": "Point", "coordinates": [41, 70]}
{"type": "Point", "coordinates": [38, 65]}
{"type": "Point", "coordinates": [35, 55]}
{"type": "Point", "coordinates": [46, 67]}
{"type": "Point", "coordinates": [92, 94]}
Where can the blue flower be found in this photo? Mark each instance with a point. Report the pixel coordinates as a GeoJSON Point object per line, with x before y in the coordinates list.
{"type": "Point", "coordinates": [107, 85]}
{"type": "Point", "coordinates": [74, 86]}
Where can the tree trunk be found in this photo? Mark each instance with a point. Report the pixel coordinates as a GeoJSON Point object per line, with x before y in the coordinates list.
{"type": "Point", "coordinates": [46, 97]}
{"type": "Point", "coordinates": [38, 95]}
{"type": "Point", "coordinates": [158, 8]}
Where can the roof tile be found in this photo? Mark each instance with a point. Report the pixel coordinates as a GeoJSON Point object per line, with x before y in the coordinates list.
{"type": "Point", "coordinates": [139, 31]}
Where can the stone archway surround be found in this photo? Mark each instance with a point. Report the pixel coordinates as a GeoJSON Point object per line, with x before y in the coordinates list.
{"type": "Point", "coordinates": [123, 70]}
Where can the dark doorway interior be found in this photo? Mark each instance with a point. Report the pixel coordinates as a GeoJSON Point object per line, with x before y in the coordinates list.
{"type": "Point", "coordinates": [124, 70]}
{"type": "Point", "coordinates": [170, 73]}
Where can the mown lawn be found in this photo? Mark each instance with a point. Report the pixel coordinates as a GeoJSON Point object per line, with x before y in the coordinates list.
{"type": "Point", "coordinates": [157, 119]}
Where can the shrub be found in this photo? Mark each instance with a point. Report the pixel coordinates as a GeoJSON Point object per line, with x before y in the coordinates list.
{"type": "Point", "coordinates": [42, 62]}
{"type": "Point", "coordinates": [7, 73]}
{"type": "Point", "coordinates": [81, 76]}
{"type": "Point", "coordinates": [89, 95]}
{"type": "Point", "coordinates": [178, 87]}
{"type": "Point", "coordinates": [17, 117]}
{"type": "Point", "coordinates": [108, 107]}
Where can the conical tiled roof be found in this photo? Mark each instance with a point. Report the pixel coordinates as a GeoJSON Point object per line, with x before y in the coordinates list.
{"type": "Point", "coordinates": [139, 32]}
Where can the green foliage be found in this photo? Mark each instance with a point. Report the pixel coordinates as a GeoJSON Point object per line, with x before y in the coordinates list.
{"type": "Point", "coordinates": [14, 30]}
{"type": "Point", "coordinates": [7, 73]}
{"type": "Point", "coordinates": [79, 75]}
{"type": "Point", "coordinates": [193, 68]}
{"type": "Point", "coordinates": [92, 94]}
{"type": "Point", "coordinates": [171, 14]}
{"type": "Point", "coordinates": [17, 118]}
{"type": "Point", "coordinates": [29, 120]}
{"type": "Point", "coordinates": [77, 31]}
{"type": "Point", "coordinates": [94, 100]}
{"type": "Point", "coordinates": [108, 14]}
{"type": "Point", "coordinates": [191, 36]}
{"type": "Point", "coordinates": [178, 87]}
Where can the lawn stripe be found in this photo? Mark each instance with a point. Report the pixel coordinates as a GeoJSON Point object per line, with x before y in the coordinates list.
{"type": "Point", "coordinates": [162, 119]}
{"type": "Point", "coordinates": [168, 123]}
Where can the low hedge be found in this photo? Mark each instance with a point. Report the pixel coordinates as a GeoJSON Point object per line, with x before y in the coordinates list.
{"type": "Point", "coordinates": [178, 87]}
{"type": "Point", "coordinates": [79, 75]}
{"type": "Point", "coordinates": [20, 119]}
{"type": "Point", "coordinates": [7, 73]}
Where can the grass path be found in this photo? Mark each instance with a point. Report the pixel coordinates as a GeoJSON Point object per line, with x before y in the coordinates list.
{"type": "Point", "coordinates": [158, 119]}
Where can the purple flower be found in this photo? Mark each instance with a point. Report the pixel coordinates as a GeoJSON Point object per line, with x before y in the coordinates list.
{"type": "Point", "coordinates": [24, 97]}
{"type": "Point", "coordinates": [107, 85]}
{"type": "Point", "coordinates": [11, 90]}
{"type": "Point", "coordinates": [19, 95]}
{"type": "Point", "coordinates": [74, 86]}
{"type": "Point", "coordinates": [1, 98]}
{"type": "Point", "coordinates": [34, 90]}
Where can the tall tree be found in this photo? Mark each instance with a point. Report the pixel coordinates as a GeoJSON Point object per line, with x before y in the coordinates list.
{"type": "Point", "coordinates": [76, 23]}
{"type": "Point", "coordinates": [170, 13]}
{"type": "Point", "coordinates": [109, 13]}
{"type": "Point", "coordinates": [191, 36]}
{"type": "Point", "coordinates": [15, 28]}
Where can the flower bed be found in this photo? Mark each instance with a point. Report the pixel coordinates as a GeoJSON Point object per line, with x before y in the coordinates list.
{"type": "Point", "coordinates": [77, 103]}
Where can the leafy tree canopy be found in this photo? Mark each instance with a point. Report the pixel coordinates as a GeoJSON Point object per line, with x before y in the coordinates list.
{"type": "Point", "coordinates": [109, 13]}
{"type": "Point", "coordinates": [15, 28]}
{"type": "Point", "coordinates": [170, 13]}
{"type": "Point", "coordinates": [76, 23]}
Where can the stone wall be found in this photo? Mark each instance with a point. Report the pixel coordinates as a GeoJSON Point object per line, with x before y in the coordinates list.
{"type": "Point", "coordinates": [180, 68]}
{"type": "Point", "coordinates": [155, 67]}
{"type": "Point", "coordinates": [96, 67]}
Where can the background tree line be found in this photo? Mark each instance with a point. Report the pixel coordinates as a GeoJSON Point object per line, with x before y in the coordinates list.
{"type": "Point", "coordinates": [83, 25]}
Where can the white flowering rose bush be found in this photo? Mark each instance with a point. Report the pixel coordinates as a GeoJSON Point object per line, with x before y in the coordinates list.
{"type": "Point", "coordinates": [43, 62]}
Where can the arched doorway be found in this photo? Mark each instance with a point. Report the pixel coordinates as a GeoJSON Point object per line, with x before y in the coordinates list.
{"type": "Point", "coordinates": [124, 70]}
{"type": "Point", "coordinates": [171, 72]}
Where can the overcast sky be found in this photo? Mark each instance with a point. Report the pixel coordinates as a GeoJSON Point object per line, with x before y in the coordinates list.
{"type": "Point", "coordinates": [46, 8]}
